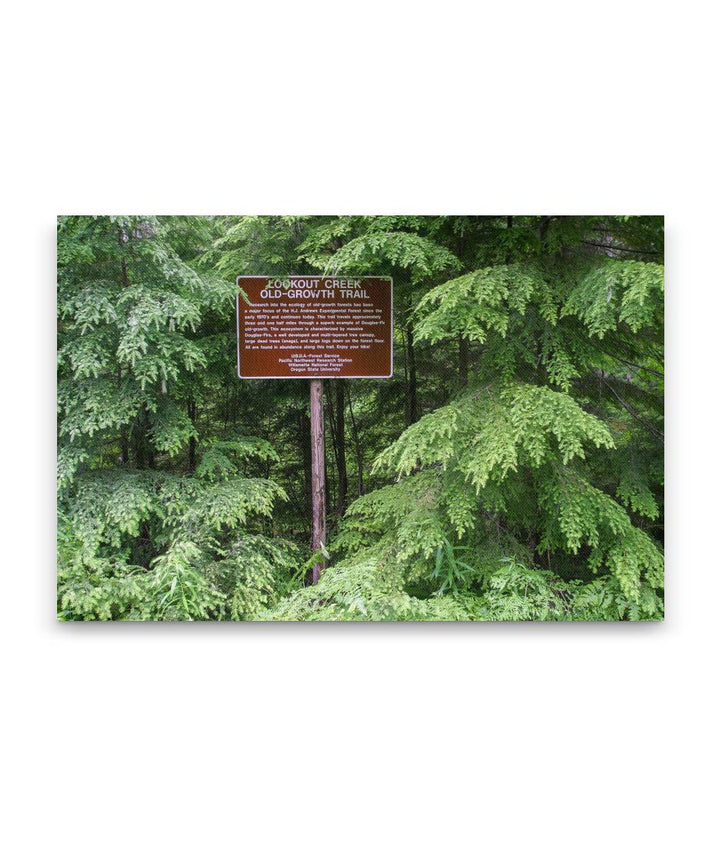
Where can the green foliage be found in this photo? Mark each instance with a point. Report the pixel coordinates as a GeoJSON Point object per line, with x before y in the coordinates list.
{"type": "Point", "coordinates": [519, 593]}
{"type": "Point", "coordinates": [129, 308]}
{"type": "Point", "coordinates": [618, 292]}
{"type": "Point", "coordinates": [512, 469]}
{"type": "Point", "coordinates": [470, 449]}
{"type": "Point", "coordinates": [635, 493]}
{"type": "Point", "coordinates": [408, 514]}
{"type": "Point", "coordinates": [604, 600]}
{"type": "Point", "coordinates": [229, 503]}
{"type": "Point", "coordinates": [450, 571]}
{"type": "Point", "coordinates": [90, 407]}
{"type": "Point", "coordinates": [256, 245]}
{"type": "Point", "coordinates": [224, 458]}
{"type": "Point", "coordinates": [179, 589]}
{"type": "Point", "coordinates": [152, 546]}
{"type": "Point", "coordinates": [171, 429]}
{"type": "Point", "coordinates": [93, 587]}
{"type": "Point", "coordinates": [369, 588]}
{"type": "Point", "coordinates": [489, 432]}
{"type": "Point", "coordinates": [363, 590]}
{"type": "Point", "coordinates": [253, 574]}
{"type": "Point", "coordinates": [404, 250]}
{"type": "Point", "coordinates": [478, 302]}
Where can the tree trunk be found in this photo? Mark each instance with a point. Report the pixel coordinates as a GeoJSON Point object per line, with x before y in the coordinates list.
{"type": "Point", "coordinates": [148, 442]}
{"type": "Point", "coordinates": [543, 227]}
{"type": "Point", "coordinates": [317, 444]}
{"type": "Point", "coordinates": [358, 448]}
{"type": "Point", "coordinates": [463, 360]}
{"type": "Point", "coordinates": [143, 450]}
{"type": "Point", "coordinates": [192, 445]}
{"type": "Point", "coordinates": [124, 445]}
{"type": "Point", "coordinates": [412, 406]}
{"type": "Point", "coordinates": [333, 439]}
{"type": "Point", "coordinates": [304, 443]}
{"type": "Point", "coordinates": [138, 442]}
{"type": "Point", "coordinates": [341, 452]}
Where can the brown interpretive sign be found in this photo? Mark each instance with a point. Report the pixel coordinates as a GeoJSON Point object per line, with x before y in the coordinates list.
{"type": "Point", "coordinates": [314, 327]}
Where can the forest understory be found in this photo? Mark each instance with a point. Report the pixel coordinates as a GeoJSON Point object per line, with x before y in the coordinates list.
{"type": "Point", "coordinates": [510, 470]}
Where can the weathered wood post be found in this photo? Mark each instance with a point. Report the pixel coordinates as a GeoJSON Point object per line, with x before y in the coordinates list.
{"type": "Point", "coordinates": [317, 448]}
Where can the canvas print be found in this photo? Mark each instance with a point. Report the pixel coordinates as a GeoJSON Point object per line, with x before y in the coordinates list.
{"type": "Point", "coordinates": [360, 418]}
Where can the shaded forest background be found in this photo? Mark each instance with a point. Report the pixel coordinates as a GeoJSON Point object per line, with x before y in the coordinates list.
{"type": "Point", "coordinates": [512, 469]}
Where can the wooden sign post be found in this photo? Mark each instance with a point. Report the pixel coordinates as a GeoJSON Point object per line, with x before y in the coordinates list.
{"type": "Point", "coordinates": [317, 448]}
{"type": "Point", "coordinates": [315, 327]}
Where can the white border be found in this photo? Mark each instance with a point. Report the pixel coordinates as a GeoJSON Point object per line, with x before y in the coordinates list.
{"type": "Point", "coordinates": [306, 376]}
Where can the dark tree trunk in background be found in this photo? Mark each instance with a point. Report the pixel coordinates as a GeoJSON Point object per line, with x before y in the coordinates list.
{"type": "Point", "coordinates": [124, 440]}
{"type": "Point", "coordinates": [148, 442]}
{"type": "Point", "coordinates": [329, 482]}
{"type": "Point", "coordinates": [543, 228]}
{"type": "Point", "coordinates": [124, 445]}
{"type": "Point", "coordinates": [412, 406]}
{"type": "Point", "coordinates": [463, 344]}
{"type": "Point", "coordinates": [356, 443]}
{"type": "Point", "coordinates": [192, 445]}
{"type": "Point", "coordinates": [139, 441]}
{"type": "Point", "coordinates": [463, 360]}
{"type": "Point", "coordinates": [509, 257]}
{"type": "Point", "coordinates": [226, 407]}
{"type": "Point", "coordinates": [340, 440]}
{"type": "Point", "coordinates": [304, 444]}
{"type": "Point", "coordinates": [317, 444]}
{"type": "Point", "coordinates": [138, 450]}
{"type": "Point", "coordinates": [143, 451]}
